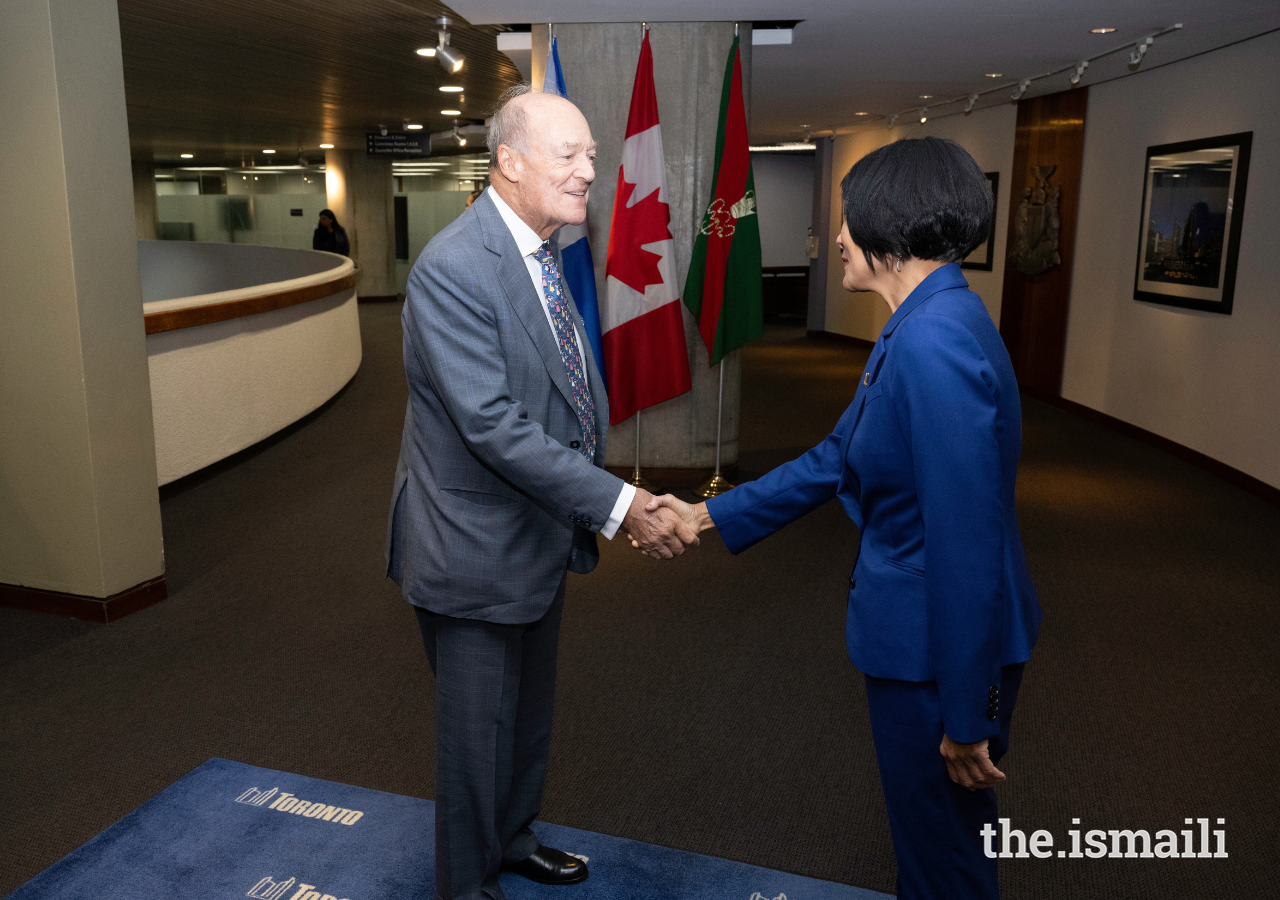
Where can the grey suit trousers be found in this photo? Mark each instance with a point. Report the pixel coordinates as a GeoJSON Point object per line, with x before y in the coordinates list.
{"type": "Point", "coordinates": [495, 692]}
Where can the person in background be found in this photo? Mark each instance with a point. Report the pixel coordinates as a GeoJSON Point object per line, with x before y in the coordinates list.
{"type": "Point", "coordinates": [473, 197]}
{"type": "Point", "coordinates": [942, 613]}
{"type": "Point", "coordinates": [329, 235]}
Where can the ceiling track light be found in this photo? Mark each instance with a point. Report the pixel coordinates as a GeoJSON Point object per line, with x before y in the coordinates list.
{"type": "Point", "coordinates": [457, 136]}
{"type": "Point", "coordinates": [1139, 51]}
{"type": "Point", "coordinates": [1076, 71]}
{"type": "Point", "coordinates": [448, 57]}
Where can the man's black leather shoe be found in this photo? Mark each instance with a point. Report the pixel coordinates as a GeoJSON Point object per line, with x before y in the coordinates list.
{"type": "Point", "coordinates": [546, 865]}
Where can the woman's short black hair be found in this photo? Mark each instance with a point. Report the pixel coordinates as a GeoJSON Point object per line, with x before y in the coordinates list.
{"type": "Point", "coordinates": [924, 198]}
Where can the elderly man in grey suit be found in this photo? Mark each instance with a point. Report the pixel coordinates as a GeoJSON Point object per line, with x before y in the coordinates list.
{"type": "Point", "coordinates": [500, 490]}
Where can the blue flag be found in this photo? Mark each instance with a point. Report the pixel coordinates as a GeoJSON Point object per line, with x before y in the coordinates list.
{"type": "Point", "coordinates": [575, 251]}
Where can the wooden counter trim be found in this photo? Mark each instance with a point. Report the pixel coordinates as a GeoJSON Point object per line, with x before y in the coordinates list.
{"type": "Point", "coordinates": [173, 319]}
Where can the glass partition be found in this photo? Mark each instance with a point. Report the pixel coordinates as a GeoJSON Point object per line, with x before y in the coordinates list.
{"type": "Point", "coordinates": [275, 207]}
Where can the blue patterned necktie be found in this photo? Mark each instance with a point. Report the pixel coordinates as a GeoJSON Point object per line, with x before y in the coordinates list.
{"type": "Point", "coordinates": [562, 323]}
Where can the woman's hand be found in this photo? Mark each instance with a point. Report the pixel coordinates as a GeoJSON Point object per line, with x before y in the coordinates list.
{"type": "Point", "coordinates": [969, 765]}
{"type": "Point", "coordinates": [695, 516]}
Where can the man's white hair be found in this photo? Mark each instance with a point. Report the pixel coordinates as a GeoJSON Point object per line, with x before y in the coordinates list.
{"type": "Point", "coordinates": [509, 124]}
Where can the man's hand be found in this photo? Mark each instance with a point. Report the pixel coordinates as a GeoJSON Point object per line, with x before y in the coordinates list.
{"type": "Point", "coordinates": [659, 532]}
{"type": "Point", "coordinates": [969, 765]}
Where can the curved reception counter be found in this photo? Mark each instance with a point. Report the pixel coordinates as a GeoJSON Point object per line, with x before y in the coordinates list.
{"type": "Point", "coordinates": [241, 341]}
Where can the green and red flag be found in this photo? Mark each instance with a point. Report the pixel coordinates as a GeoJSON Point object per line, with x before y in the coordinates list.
{"type": "Point", "coordinates": [723, 290]}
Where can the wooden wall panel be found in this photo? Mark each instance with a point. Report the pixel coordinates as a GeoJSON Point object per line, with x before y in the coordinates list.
{"type": "Point", "coordinates": [1033, 317]}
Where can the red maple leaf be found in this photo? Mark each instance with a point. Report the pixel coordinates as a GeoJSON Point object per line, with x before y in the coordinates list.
{"type": "Point", "coordinates": [634, 226]}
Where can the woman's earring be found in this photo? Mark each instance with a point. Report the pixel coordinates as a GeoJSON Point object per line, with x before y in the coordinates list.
{"type": "Point", "coordinates": [899, 263]}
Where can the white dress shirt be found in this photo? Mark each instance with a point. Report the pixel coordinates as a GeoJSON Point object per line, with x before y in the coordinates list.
{"type": "Point", "coordinates": [528, 242]}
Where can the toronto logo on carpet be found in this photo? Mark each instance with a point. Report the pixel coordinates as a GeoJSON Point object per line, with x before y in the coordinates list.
{"type": "Point", "coordinates": [759, 896]}
{"type": "Point", "coordinates": [288, 803]}
{"type": "Point", "coordinates": [269, 889]}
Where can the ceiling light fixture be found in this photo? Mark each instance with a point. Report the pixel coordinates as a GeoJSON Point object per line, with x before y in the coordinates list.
{"type": "Point", "coordinates": [1139, 51]}
{"type": "Point", "coordinates": [457, 136]}
{"type": "Point", "coordinates": [924, 114]}
{"type": "Point", "coordinates": [994, 75]}
{"type": "Point", "coordinates": [425, 51]}
{"type": "Point", "coordinates": [268, 151]}
{"type": "Point", "coordinates": [1079, 72]}
{"type": "Point", "coordinates": [451, 89]}
{"type": "Point", "coordinates": [1101, 30]}
{"type": "Point", "coordinates": [862, 114]}
{"type": "Point", "coordinates": [893, 119]}
{"type": "Point", "coordinates": [187, 155]}
{"type": "Point", "coordinates": [968, 107]}
{"type": "Point", "coordinates": [450, 58]}
{"type": "Point", "coordinates": [413, 128]}
{"type": "Point", "coordinates": [450, 112]}
{"type": "Point", "coordinates": [926, 96]}
{"type": "Point", "coordinates": [326, 146]}
{"type": "Point", "coordinates": [1020, 90]}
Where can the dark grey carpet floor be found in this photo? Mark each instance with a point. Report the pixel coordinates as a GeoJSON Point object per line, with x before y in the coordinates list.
{"type": "Point", "coordinates": [704, 704]}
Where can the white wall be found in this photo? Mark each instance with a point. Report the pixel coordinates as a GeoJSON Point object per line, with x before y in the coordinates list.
{"type": "Point", "coordinates": [784, 203]}
{"type": "Point", "coordinates": [1207, 381]}
{"type": "Point", "coordinates": [988, 136]}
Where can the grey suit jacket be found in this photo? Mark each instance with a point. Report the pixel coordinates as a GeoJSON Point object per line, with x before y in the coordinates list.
{"type": "Point", "coordinates": [491, 501]}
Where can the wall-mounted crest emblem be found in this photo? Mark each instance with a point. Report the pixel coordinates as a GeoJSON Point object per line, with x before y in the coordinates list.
{"type": "Point", "coordinates": [1036, 226]}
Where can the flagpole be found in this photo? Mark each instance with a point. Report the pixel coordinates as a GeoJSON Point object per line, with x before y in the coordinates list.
{"type": "Point", "coordinates": [636, 478]}
{"type": "Point", "coordinates": [716, 484]}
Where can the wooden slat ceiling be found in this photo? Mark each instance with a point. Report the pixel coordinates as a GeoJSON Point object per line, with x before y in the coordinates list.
{"type": "Point", "coordinates": [224, 79]}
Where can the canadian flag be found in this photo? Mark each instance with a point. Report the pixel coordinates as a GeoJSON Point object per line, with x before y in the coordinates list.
{"type": "Point", "coordinates": [646, 360]}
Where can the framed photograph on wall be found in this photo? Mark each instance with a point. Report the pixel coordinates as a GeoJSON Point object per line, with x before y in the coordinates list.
{"type": "Point", "coordinates": [984, 254]}
{"type": "Point", "coordinates": [1192, 207]}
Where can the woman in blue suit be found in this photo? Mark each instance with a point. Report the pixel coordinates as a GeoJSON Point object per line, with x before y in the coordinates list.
{"type": "Point", "coordinates": [942, 613]}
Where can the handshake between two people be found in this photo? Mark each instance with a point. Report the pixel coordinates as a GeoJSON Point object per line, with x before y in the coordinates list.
{"type": "Point", "coordinates": [662, 527]}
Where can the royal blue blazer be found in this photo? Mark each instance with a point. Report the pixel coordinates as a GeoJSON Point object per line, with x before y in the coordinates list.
{"type": "Point", "coordinates": [924, 461]}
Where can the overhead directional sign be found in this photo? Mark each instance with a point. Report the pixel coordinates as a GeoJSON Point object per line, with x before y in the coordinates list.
{"type": "Point", "coordinates": [397, 143]}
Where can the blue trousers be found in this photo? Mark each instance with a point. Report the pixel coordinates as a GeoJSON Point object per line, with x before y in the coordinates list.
{"type": "Point", "coordinates": [495, 690]}
{"type": "Point", "coordinates": [935, 822]}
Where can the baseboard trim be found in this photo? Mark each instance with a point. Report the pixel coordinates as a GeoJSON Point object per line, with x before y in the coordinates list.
{"type": "Point", "coordinates": [378, 298]}
{"type": "Point", "coordinates": [671, 478]}
{"type": "Point", "coordinates": [77, 606]}
{"type": "Point", "coordinates": [1242, 480]}
{"type": "Point", "coordinates": [840, 339]}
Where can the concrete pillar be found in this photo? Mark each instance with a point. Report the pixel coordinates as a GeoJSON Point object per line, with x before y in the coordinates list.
{"type": "Point", "coordinates": [79, 507]}
{"type": "Point", "coordinates": [146, 210]}
{"type": "Point", "coordinates": [360, 194]}
{"type": "Point", "coordinates": [599, 62]}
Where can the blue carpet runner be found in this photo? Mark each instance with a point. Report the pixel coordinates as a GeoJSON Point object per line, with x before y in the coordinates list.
{"type": "Point", "coordinates": [228, 831]}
